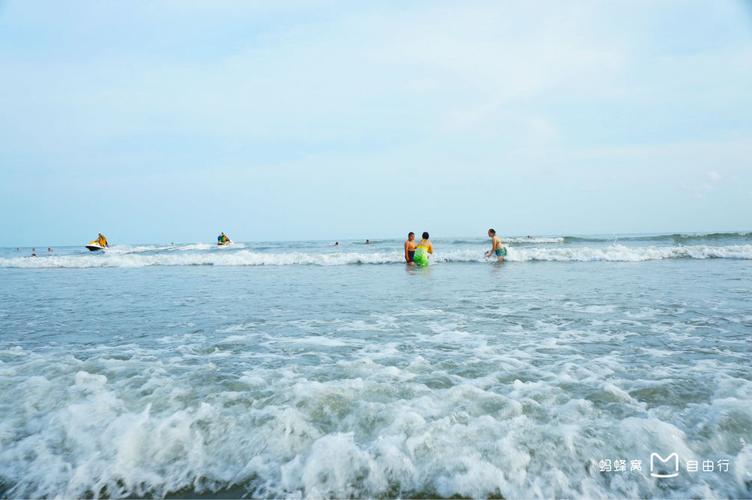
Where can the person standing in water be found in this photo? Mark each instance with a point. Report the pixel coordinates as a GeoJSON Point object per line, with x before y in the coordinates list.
{"type": "Point", "coordinates": [422, 250]}
{"type": "Point", "coordinates": [410, 248]}
{"type": "Point", "coordinates": [497, 247]}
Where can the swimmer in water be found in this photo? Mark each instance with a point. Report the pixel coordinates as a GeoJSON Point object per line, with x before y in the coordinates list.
{"type": "Point", "coordinates": [426, 243]}
{"type": "Point", "coordinates": [410, 248]}
{"type": "Point", "coordinates": [497, 247]}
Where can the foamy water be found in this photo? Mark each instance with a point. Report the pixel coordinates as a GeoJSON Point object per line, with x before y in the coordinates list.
{"type": "Point", "coordinates": [521, 249]}
{"type": "Point", "coordinates": [466, 378]}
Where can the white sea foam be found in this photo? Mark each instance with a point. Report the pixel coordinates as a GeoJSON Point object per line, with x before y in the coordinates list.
{"type": "Point", "coordinates": [622, 253]}
{"type": "Point", "coordinates": [136, 249]}
{"type": "Point", "coordinates": [244, 257]}
{"type": "Point", "coordinates": [146, 420]}
{"type": "Point", "coordinates": [463, 439]}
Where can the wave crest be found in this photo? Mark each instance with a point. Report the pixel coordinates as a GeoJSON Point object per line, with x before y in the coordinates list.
{"type": "Point", "coordinates": [678, 238]}
{"type": "Point", "coordinates": [244, 257]}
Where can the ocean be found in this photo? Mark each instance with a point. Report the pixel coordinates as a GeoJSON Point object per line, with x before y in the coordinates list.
{"type": "Point", "coordinates": [577, 368]}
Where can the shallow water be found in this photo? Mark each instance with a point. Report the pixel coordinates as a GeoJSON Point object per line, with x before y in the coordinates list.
{"type": "Point", "coordinates": [464, 378]}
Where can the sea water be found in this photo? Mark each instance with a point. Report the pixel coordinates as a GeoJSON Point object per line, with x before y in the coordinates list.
{"type": "Point", "coordinates": [305, 369]}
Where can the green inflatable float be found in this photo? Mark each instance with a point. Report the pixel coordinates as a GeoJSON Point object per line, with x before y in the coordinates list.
{"type": "Point", "coordinates": [421, 257]}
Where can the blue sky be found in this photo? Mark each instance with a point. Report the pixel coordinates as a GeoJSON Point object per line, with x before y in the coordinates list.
{"type": "Point", "coordinates": [171, 121]}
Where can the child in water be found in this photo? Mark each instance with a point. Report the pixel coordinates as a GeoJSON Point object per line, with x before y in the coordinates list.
{"type": "Point", "coordinates": [410, 248]}
{"type": "Point", "coordinates": [497, 247]}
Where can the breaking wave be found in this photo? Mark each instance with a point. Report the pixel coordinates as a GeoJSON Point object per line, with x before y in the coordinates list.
{"type": "Point", "coordinates": [677, 238]}
{"type": "Point", "coordinates": [128, 249]}
{"type": "Point", "coordinates": [245, 257]}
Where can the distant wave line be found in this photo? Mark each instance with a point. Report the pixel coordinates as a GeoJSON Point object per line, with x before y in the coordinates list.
{"type": "Point", "coordinates": [245, 257]}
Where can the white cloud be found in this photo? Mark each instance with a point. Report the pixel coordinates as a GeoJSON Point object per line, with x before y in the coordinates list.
{"type": "Point", "coordinates": [538, 99]}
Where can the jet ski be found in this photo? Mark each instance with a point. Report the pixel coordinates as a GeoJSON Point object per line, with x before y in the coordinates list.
{"type": "Point", "coordinates": [93, 246]}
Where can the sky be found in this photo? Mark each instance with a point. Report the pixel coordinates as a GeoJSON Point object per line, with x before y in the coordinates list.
{"type": "Point", "coordinates": [167, 121]}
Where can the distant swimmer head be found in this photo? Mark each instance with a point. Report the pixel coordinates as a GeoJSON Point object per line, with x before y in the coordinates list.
{"type": "Point", "coordinates": [492, 232]}
{"type": "Point", "coordinates": [425, 235]}
{"type": "Point", "coordinates": [410, 236]}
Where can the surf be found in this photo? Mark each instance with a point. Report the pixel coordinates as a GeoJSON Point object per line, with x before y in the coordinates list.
{"type": "Point", "coordinates": [243, 257]}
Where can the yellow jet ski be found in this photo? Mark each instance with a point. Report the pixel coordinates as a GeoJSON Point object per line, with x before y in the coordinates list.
{"type": "Point", "coordinates": [94, 246]}
{"type": "Point", "coordinates": [98, 244]}
{"type": "Point", "coordinates": [223, 240]}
